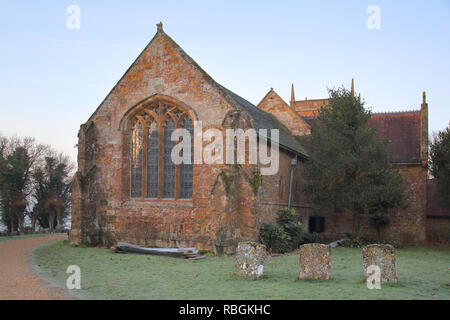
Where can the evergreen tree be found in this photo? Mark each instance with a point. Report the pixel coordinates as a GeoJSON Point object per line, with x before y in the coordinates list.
{"type": "Point", "coordinates": [440, 166]}
{"type": "Point", "coordinates": [52, 192]}
{"type": "Point", "coordinates": [348, 168]}
{"type": "Point", "coordinates": [14, 180]}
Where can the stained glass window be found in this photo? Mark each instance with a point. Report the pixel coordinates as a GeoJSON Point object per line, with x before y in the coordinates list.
{"type": "Point", "coordinates": [136, 160]}
{"type": "Point", "coordinates": [153, 174]}
{"type": "Point", "coordinates": [152, 160]}
{"type": "Point", "coordinates": [186, 168]}
{"type": "Point", "coordinates": [169, 166]}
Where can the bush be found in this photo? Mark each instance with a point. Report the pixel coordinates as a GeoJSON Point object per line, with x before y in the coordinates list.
{"type": "Point", "coordinates": [311, 238]}
{"type": "Point", "coordinates": [275, 238]}
{"type": "Point", "coordinates": [379, 221]}
{"type": "Point", "coordinates": [289, 222]}
{"type": "Point", "coordinates": [288, 235]}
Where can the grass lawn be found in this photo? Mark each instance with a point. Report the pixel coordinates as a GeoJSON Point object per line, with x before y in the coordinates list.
{"type": "Point", "coordinates": [424, 273]}
{"type": "Point", "coordinates": [24, 236]}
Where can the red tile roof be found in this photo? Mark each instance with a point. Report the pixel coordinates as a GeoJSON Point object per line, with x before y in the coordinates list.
{"type": "Point", "coordinates": [401, 129]}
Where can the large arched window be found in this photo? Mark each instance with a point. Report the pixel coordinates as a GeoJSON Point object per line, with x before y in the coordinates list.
{"type": "Point", "coordinates": [153, 174]}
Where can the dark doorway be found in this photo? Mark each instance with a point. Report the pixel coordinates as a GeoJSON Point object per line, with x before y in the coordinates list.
{"type": "Point", "coordinates": [316, 224]}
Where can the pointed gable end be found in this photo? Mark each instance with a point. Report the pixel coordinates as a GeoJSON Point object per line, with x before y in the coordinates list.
{"type": "Point", "coordinates": [163, 68]}
{"type": "Point", "coordinates": [275, 105]}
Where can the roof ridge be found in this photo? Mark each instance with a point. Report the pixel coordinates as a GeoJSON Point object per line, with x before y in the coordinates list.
{"type": "Point", "coordinates": [249, 107]}
{"type": "Point", "coordinates": [287, 106]}
{"type": "Point", "coordinates": [312, 99]}
{"type": "Point", "coordinates": [395, 112]}
{"type": "Point", "coordinates": [289, 142]}
{"type": "Point", "coordinates": [376, 113]}
{"type": "Point", "coordinates": [230, 97]}
{"type": "Point", "coordinates": [126, 71]}
{"type": "Point", "coordinates": [311, 109]}
{"type": "Point", "coordinates": [189, 59]}
{"type": "Point", "coordinates": [265, 96]}
{"type": "Point", "coordinates": [309, 117]}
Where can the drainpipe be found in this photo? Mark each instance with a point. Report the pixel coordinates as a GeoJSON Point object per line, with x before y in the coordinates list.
{"type": "Point", "coordinates": [291, 179]}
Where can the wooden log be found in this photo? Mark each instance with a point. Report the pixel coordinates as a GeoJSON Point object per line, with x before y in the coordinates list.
{"type": "Point", "coordinates": [125, 247]}
{"type": "Point", "coordinates": [197, 258]}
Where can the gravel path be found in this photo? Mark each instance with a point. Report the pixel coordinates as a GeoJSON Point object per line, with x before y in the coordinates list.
{"type": "Point", "coordinates": [17, 280]}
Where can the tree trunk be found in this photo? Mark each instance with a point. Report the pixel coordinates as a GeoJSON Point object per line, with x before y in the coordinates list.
{"type": "Point", "coordinates": [379, 233]}
{"type": "Point", "coordinates": [58, 219]}
{"type": "Point", "coordinates": [356, 224]}
{"type": "Point", "coordinates": [20, 223]}
{"type": "Point", "coordinates": [33, 222]}
{"type": "Point", "coordinates": [51, 220]}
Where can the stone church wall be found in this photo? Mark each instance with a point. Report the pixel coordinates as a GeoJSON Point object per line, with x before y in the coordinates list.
{"type": "Point", "coordinates": [407, 225]}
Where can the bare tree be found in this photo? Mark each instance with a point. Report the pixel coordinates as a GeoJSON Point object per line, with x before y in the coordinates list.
{"type": "Point", "coordinates": [18, 158]}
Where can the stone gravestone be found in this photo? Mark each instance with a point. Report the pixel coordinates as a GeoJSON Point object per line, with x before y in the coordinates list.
{"type": "Point", "coordinates": [315, 261]}
{"type": "Point", "coordinates": [383, 256]}
{"type": "Point", "coordinates": [249, 260]}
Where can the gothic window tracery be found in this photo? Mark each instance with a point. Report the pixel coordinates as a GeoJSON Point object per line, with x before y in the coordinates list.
{"type": "Point", "coordinates": [153, 174]}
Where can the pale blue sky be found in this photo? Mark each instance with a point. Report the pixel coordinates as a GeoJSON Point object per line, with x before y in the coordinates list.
{"type": "Point", "coordinates": [53, 78]}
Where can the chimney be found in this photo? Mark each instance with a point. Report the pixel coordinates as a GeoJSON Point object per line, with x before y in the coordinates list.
{"type": "Point", "coordinates": [159, 27]}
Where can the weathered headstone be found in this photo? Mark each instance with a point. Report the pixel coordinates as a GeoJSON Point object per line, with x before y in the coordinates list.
{"type": "Point", "coordinates": [315, 261]}
{"type": "Point", "coordinates": [383, 256]}
{"type": "Point", "coordinates": [249, 260]}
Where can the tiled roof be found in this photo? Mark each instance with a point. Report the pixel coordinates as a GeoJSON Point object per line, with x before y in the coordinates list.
{"type": "Point", "coordinates": [265, 120]}
{"type": "Point", "coordinates": [262, 119]}
{"type": "Point", "coordinates": [311, 120]}
{"type": "Point", "coordinates": [401, 129]}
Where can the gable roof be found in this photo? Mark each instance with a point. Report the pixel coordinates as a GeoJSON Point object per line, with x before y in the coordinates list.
{"type": "Point", "coordinates": [275, 105]}
{"type": "Point", "coordinates": [260, 119]}
{"type": "Point", "coordinates": [265, 120]}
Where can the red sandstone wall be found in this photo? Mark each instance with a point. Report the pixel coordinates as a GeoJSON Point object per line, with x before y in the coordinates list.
{"type": "Point", "coordinates": [209, 220]}
{"type": "Point", "coordinates": [406, 225]}
{"type": "Point", "coordinates": [273, 104]}
{"type": "Point", "coordinates": [438, 230]}
{"type": "Point", "coordinates": [275, 191]}
{"type": "Point", "coordinates": [438, 218]}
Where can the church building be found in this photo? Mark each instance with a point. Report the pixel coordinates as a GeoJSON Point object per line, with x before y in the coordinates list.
{"type": "Point", "coordinates": [407, 136]}
{"type": "Point", "coordinates": [127, 188]}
